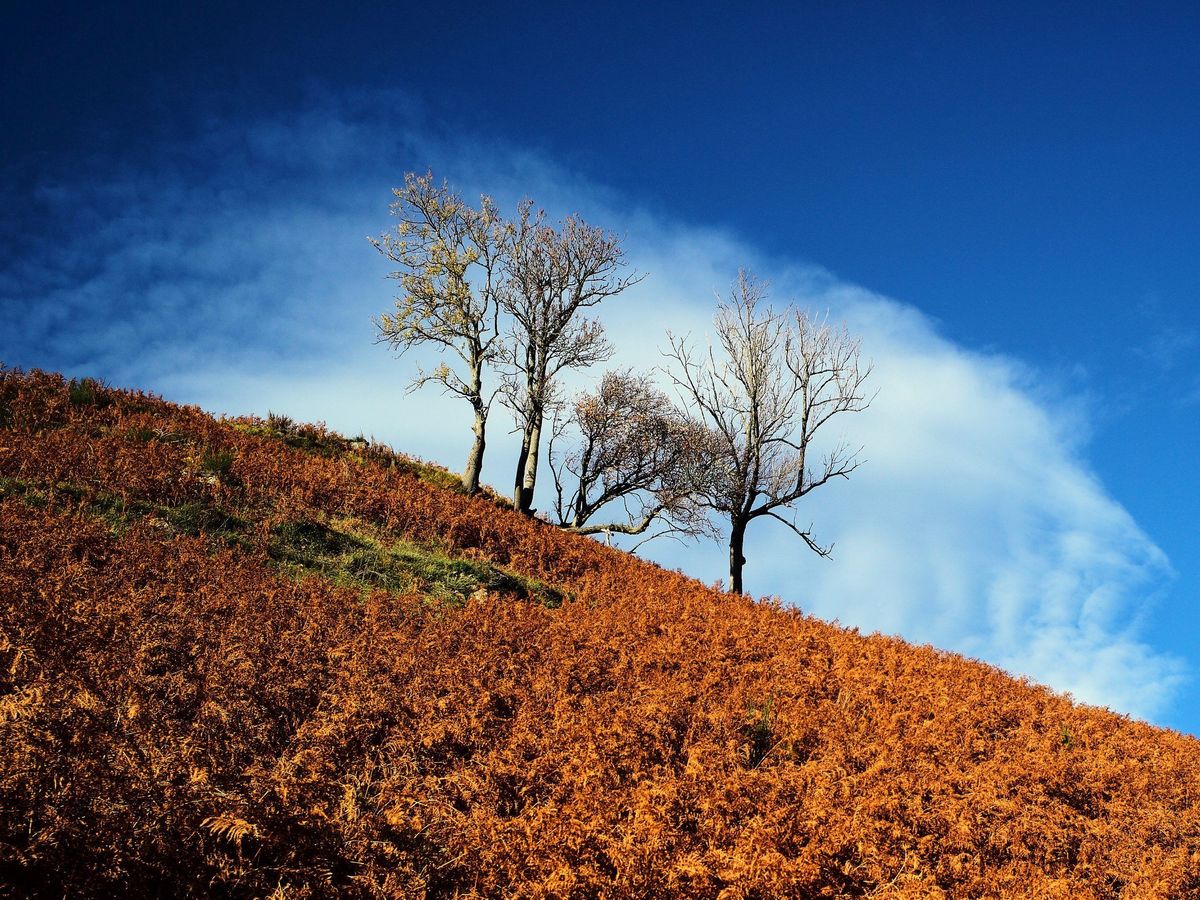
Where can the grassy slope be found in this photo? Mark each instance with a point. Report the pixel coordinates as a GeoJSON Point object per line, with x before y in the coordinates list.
{"type": "Point", "coordinates": [181, 714]}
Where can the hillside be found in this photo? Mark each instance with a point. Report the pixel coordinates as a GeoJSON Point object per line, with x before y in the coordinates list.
{"type": "Point", "coordinates": [249, 658]}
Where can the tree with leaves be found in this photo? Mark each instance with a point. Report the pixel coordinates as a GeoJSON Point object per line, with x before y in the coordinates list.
{"type": "Point", "coordinates": [451, 259]}
{"type": "Point", "coordinates": [633, 450]}
{"type": "Point", "coordinates": [772, 381]}
{"type": "Point", "coordinates": [556, 275]}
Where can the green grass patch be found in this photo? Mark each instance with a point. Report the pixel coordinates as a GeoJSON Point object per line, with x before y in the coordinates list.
{"type": "Point", "coordinates": [345, 553]}
{"type": "Point", "coordinates": [119, 514]}
{"type": "Point", "coordinates": [23, 490]}
{"type": "Point", "coordinates": [193, 519]}
{"type": "Point", "coordinates": [430, 474]}
{"type": "Point", "coordinates": [354, 557]}
{"type": "Point", "coordinates": [202, 518]}
{"type": "Point", "coordinates": [309, 438]}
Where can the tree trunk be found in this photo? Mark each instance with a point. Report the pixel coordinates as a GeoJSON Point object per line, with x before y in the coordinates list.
{"type": "Point", "coordinates": [470, 477]}
{"type": "Point", "coordinates": [737, 539]}
{"type": "Point", "coordinates": [523, 499]}
{"type": "Point", "coordinates": [531, 466]}
{"type": "Point", "coordinates": [519, 481]}
{"type": "Point", "coordinates": [581, 511]}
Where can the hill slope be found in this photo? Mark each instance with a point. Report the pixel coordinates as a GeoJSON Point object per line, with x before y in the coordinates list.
{"type": "Point", "coordinates": [240, 658]}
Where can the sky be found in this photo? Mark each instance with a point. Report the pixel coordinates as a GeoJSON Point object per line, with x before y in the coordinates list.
{"type": "Point", "coordinates": [1004, 205]}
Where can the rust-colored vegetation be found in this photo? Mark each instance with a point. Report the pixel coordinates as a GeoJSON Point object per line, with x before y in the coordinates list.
{"type": "Point", "coordinates": [195, 701]}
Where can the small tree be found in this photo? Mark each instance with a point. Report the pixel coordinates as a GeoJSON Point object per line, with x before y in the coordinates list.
{"type": "Point", "coordinates": [556, 275]}
{"type": "Point", "coordinates": [771, 383]}
{"type": "Point", "coordinates": [451, 259]}
{"type": "Point", "coordinates": [632, 446]}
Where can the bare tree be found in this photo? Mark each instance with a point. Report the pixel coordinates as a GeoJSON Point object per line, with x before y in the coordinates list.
{"type": "Point", "coordinates": [771, 383]}
{"type": "Point", "coordinates": [556, 275]}
{"type": "Point", "coordinates": [634, 448]}
{"type": "Point", "coordinates": [451, 259]}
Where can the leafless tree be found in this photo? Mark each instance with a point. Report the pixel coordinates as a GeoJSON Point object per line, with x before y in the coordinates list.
{"type": "Point", "coordinates": [556, 276]}
{"type": "Point", "coordinates": [771, 382]}
{"type": "Point", "coordinates": [632, 448]}
{"type": "Point", "coordinates": [452, 277]}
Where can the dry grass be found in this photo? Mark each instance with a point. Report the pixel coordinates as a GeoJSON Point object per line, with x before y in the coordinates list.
{"type": "Point", "coordinates": [178, 719]}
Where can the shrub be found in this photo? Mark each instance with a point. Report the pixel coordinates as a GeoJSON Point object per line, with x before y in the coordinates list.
{"type": "Point", "coordinates": [280, 423]}
{"type": "Point", "coordinates": [217, 462]}
{"type": "Point", "coordinates": [82, 392]}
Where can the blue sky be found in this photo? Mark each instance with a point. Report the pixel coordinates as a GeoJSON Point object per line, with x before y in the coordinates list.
{"type": "Point", "coordinates": [1005, 204]}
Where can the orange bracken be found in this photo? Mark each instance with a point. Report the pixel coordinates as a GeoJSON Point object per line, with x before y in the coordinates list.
{"type": "Point", "coordinates": [178, 718]}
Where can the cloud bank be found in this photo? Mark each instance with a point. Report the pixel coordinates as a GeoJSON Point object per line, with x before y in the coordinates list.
{"type": "Point", "coordinates": [232, 271]}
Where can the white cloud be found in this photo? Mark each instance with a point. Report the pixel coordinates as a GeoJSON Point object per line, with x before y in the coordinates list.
{"type": "Point", "coordinates": [234, 274]}
{"type": "Point", "coordinates": [975, 525]}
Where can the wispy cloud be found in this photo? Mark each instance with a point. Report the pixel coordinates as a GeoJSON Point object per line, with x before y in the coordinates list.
{"type": "Point", "coordinates": [233, 272]}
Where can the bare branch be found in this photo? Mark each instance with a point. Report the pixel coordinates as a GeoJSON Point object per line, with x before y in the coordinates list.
{"type": "Point", "coordinates": [556, 275]}
{"type": "Point", "coordinates": [825, 552]}
{"type": "Point", "coordinates": [633, 446]}
{"type": "Point", "coordinates": [766, 386]}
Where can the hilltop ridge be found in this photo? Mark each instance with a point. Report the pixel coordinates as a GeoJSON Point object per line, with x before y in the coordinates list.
{"type": "Point", "coordinates": [248, 658]}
